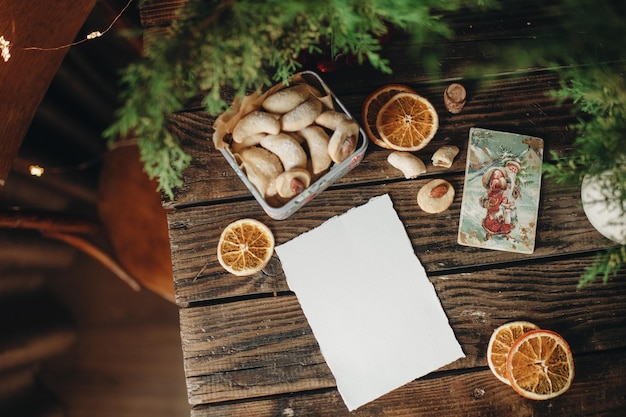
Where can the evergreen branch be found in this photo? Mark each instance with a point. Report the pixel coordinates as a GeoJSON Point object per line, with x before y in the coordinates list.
{"type": "Point", "coordinates": [599, 149]}
{"type": "Point", "coordinates": [606, 264]}
{"type": "Point", "coordinates": [600, 145]}
{"type": "Point", "coordinates": [247, 45]}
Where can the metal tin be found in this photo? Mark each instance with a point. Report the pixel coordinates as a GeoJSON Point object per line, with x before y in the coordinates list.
{"type": "Point", "coordinates": [335, 172]}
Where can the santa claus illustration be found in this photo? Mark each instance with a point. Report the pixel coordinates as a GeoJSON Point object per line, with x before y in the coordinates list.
{"type": "Point", "coordinates": [496, 202]}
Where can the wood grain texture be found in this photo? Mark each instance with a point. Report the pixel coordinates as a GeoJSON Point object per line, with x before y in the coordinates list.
{"type": "Point", "coordinates": [256, 348]}
{"type": "Point", "coordinates": [247, 346]}
{"type": "Point", "coordinates": [264, 346]}
{"type": "Point", "coordinates": [598, 386]}
{"type": "Point", "coordinates": [514, 104]}
{"type": "Point", "coordinates": [194, 232]}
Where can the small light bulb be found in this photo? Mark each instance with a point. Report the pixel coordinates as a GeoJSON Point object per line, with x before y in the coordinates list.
{"type": "Point", "coordinates": [36, 170]}
{"type": "Point", "coordinates": [5, 49]}
{"type": "Point", "coordinates": [94, 35]}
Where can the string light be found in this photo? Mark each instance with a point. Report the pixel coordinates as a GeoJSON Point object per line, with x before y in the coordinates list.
{"type": "Point", "coordinates": [5, 49]}
{"type": "Point", "coordinates": [5, 44]}
{"type": "Point", "coordinates": [35, 170]}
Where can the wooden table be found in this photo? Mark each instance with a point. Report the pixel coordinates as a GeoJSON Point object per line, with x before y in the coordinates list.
{"type": "Point", "coordinates": [248, 350]}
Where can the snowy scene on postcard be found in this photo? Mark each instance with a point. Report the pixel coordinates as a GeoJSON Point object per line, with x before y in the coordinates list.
{"type": "Point", "coordinates": [501, 192]}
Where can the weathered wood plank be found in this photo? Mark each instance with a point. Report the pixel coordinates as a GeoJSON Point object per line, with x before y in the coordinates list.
{"type": "Point", "coordinates": [598, 386]}
{"type": "Point", "coordinates": [476, 37]}
{"type": "Point", "coordinates": [515, 104]}
{"type": "Point", "coordinates": [510, 20]}
{"type": "Point", "coordinates": [254, 348]}
{"type": "Point", "coordinates": [247, 352]}
{"type": "Point", "coordinates": [264, 346]}
{"type": "Point", "coordinates": [194, 233]}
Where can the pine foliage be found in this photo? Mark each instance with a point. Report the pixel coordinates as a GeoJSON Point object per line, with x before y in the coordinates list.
{"type": "Point", "coordinates": [600, 98]}
{"type": "Point", "coordinates": [248, 45]}
{"type": "Point", "coordinates": [599, 149]}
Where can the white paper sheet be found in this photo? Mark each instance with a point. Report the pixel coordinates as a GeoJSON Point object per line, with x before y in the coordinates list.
{"type": "Point", "coordinates": [366, 296]}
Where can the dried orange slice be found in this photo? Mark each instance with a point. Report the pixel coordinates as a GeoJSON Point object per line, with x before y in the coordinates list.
{"type": "Point", "coordinates": [407, 122]}
{"type": "Point", "coordinates": [500, 344]}
{"type": "Point", "coordinates": [372, 105]}
{"type": "Point", "coordinates": [245, 247]}
{"type": "Point", "coordinates": [540, 365]}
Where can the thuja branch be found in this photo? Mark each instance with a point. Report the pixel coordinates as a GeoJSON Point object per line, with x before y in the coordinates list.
{"type": "Point", "coordinates": [606, 265]}
{"type": "Point", "coordinates": [599, 149]}
{"type": "Point", "coordinates": [248, 45]}
{"type": "Point", "coordinates": [221, 7]}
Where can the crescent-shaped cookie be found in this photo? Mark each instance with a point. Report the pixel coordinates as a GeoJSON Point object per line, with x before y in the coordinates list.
{"type": "Point", "coordinates": [293, 182]}
{"type": "Point", "coordinates": [301, 116]}
{"type": "Point", "coordinates": [288, 150]}
{"type": "Point", "coordinates": [343, 141]}
{"type": "Point", "coordinates": [247, 142]}
{"type": "Point", "coordinates": [410, 165]}
{"type": "Point", "coordinates": [286, 99]}
{"type": "Point", "coordinates": [261, 167]}
{"type": "Point", "coordinates": [255, 122]}
{"type": "Point", "coordinates": [317, 142]}
{"type": "Point", "coordinates": [331, 119]}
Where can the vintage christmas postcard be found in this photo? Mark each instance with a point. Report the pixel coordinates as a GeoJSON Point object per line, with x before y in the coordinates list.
{"type": "Point", "coordinates": [501, 192]}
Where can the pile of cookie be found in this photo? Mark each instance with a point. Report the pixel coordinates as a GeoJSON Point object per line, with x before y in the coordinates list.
{"type": "Point", "coordinates": [289, 138]}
